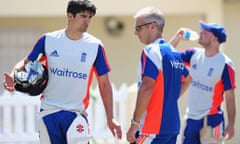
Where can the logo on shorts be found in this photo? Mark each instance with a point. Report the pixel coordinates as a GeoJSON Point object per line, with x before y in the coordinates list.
{"type": "Point", "coordinates": [80, 128]}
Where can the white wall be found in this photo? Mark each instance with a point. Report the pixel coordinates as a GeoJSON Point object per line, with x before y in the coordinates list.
{"type": "Point", "coordinates": [110, 7]}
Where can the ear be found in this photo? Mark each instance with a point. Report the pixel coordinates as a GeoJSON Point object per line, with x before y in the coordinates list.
{"type": "Point", "coordinates": [215, 39]}
{"type": "Point", "coordinates": [69, 16]}
{"type": "Point", "coordinates": [153, 25]}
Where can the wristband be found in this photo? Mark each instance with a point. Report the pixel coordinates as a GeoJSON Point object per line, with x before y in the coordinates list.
{"type": "Point", "coordinates": [133, 122]}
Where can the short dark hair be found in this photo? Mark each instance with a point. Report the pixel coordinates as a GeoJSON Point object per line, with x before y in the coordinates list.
{"type": "Point", "coordinates": [76, 6]}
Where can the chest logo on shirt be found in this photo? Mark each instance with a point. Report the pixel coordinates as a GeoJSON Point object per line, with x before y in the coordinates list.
{"type": "Point", "coordinates": [54, 54]}
{"type": "Point", "coordinates": [177, 64]}
{"type": "Point", "coordinates": [67, 73]}
{"type": "Point", "coordinates": [210, 71]}
{"type": "Point", "coordinates": [83, 57]}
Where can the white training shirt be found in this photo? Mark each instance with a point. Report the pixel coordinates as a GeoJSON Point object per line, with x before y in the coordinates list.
{"type": "Point", "coordinates": [211, 76]}
{"type": "Point", "coordinates": [71, 64]}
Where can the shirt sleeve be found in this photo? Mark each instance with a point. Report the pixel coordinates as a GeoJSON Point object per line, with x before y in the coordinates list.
{"type": "Point", "coordinates": [148, 67]}
{"type": "Point", "coordinates": [185, 71]}
{"type": "Point", "coordinates": [37, 49]}
{"type": "Point", "coordinates": [101, 63]}
{"type": "Point", "coordinates": [186, 55]}
{"type": "Point", "coordinates": [228, 77]}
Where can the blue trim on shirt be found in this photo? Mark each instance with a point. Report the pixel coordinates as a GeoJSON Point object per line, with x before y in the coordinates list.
{"type": "Point", "coordinates": [38, 48]}
{"type": "Point", "coordinates": [100, 62]}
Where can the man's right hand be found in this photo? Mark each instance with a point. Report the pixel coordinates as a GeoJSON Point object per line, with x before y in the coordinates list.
{"type": "Point", "coordinates": [178, 37]}
{"type": "Point", "coordinates": [8, 83]}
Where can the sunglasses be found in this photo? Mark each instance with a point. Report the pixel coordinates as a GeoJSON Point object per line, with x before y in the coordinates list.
{"type": "Point", "coordinates": [138, 28]}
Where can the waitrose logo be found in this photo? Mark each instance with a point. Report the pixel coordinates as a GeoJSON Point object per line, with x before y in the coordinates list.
{"type": "Point", "coordinates": [65, 72]}
{"type": "Point", "coordinates": [204, 87]}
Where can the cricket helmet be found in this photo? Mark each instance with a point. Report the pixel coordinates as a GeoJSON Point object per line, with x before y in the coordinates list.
{"type": "Point", "coordinates": [32, 80]}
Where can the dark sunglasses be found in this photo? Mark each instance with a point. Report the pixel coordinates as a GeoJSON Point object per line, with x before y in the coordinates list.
{"type": "Point", "coordinates": [138, 28]}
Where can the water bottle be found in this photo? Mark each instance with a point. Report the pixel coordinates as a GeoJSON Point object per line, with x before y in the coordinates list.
{"type": "Point", "coordinates": [190, 35]}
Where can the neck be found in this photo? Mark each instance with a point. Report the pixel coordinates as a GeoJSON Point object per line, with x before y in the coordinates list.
{"type": "Point", "coordinates": [211, 51]}
{"type": "Point", "coordinates": [156, 36]}
{"type": "Point", "coordinates": [73, 35]}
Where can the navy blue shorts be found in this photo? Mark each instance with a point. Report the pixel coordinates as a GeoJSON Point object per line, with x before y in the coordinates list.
{"type": "Point", "coordinates": [156, 139]}
{"type": "Point", "coordinates": [193, 127]}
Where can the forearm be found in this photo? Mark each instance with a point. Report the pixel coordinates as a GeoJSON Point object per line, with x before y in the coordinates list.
{"type": "Point", "coordinates": [230, 107]}
{"type": "Point", "coordinates": [175, 40]}
{"type": "Point", "coordinates": [107, 97]}
{"type": "Point", "coordinates": [143, 99]}
{"type": "Point", "coordinates": [231, 113]}
{"type": "Point", "coordinates": [185, 84]}
{"type": "Point", "coordinates": [177, 37]}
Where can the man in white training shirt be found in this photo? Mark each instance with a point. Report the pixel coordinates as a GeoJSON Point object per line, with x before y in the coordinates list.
{"type": "Point", "coordinates": [72, 56]}
{"type": "Point", "coordinates": [213, 80]}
